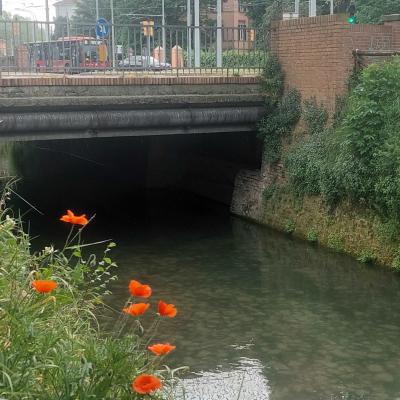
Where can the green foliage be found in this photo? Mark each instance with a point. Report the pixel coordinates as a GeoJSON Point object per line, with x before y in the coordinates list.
{"type": "Point", "coordinates": [315, 116]}
{"type": "Point", "coordinates": [312, 235]}
{"type": "Point", "coordinates": [366, 256]}
{"type": "Point", "coordinates": [336, 241]}
{"type": "Point", "coordinates": [279, 123]}
{"type": "Point", "coordinates": [269, 191]}
{"type": "Point", "coordinates": [371, 11]}
{"type": "Point", "coordinates": [51, 346]}
{"type": "Point", "coordinates": [273, 78]}
{"type": "Point", "coordinates": [389, 230]}
{"type": "Point", "coordinates": [232, 59]}
{"type": "Point", "coordinates": [290, 226]}
{"type": "Point", "coordinates": [306, 163]}
{"type": "Point", "coordinates": [282, 110]}
{"type": "Point", "coordinates": [359, 159]}
{"type": "Point", "coordinates": [396, 261]}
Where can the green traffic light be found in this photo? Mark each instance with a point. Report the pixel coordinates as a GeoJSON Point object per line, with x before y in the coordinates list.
{"type": "Point", "coordinates": [352, 19]}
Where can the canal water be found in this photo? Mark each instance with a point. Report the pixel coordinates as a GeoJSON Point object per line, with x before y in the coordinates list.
{"type": "Point", "coordinates": [261, 315]}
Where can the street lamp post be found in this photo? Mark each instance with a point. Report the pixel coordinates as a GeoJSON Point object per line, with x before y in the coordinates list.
{"type": "Point", "coordinates": [164, 44]}
{"type": "Point", "coordinates": [189, 33]}
{"type": "Point", "coordinates": [297, 7]}
{"type": "Point", "coordinates": [47, 19]}
{"type": "Point", "coordinates": [219, 34]}
{"type": "Point", "coordinates": [112, 34]}
{"type": "Point", "coordinates": [313, 8]}
{"type": "Point", "coordinates": [197, 34]}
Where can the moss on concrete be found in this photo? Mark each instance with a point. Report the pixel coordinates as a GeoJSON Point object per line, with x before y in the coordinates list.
{"type": "Point", "coordinates": [358, 232]}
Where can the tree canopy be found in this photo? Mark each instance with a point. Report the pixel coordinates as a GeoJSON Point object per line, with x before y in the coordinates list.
{"type": "Point", "coordinates": [368, 11]}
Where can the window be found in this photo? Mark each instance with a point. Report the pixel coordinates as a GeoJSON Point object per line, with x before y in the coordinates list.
{"type": "Point", "coordinates": [242, 31]}
{"type": "Point", "coordinates": [242, 7]}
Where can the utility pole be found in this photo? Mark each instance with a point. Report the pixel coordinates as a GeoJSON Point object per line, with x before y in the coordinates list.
{"type": "Point", "coordinates": [164, 43]}
{"type": "Point", "coordinates": [297, 7]}
{"type": "Point", "coordinates": [47, 19]}
{"type": "Point", "coordinates": [313, 8]}
{"type": "Point", "coordinates": [196, 33]}
{"type": "Point", "coordinates": [97, 10]}
{"type": "Point", "coordinates": [189, 33]}
{"type": "Point", "coordinates": [331, 7]}
{"type": "Point", "coordinates": [112, 34]}
{"type": "Point", "coordinates": [219, 34]}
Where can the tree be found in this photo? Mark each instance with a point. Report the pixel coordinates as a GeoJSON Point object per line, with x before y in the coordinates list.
{"type": "Point", "coordinates": [368, 11]}
{"type": "Point", "coordinates": [371, 11]}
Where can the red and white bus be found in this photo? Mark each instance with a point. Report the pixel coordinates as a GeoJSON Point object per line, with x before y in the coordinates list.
{"type": "Point", "coordinates": [68, 54]}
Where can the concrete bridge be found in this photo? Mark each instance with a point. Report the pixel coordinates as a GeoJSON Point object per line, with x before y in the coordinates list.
{"type": "Point", "coordinates": [72, 107]}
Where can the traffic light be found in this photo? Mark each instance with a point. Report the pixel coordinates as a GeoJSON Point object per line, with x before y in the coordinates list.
{"type": "Point", "coordinates": [352, 15]}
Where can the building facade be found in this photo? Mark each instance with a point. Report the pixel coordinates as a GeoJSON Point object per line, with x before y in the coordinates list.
{"type": "Point", "coordinates": [65, 8]}
{"type": "Point", "coordinates": [236, 25]}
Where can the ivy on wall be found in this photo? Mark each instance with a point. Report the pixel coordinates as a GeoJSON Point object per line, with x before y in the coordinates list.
{"type": "Point", "coordinates": [283, 111]}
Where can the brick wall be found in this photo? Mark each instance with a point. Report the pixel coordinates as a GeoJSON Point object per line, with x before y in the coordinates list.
{"type": "Point", "coordinates": [317, 53]}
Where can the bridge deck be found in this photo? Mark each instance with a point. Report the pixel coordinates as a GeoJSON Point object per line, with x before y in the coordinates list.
{"type": "Point", "coordinates": [63, 107]}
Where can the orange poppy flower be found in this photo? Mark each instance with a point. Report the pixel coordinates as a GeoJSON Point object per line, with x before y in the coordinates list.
{"type": "Point", "coordinates": [71, 218]}
{"type": "Point", "coordinates": [136, 309]}
{"type": "Point", "coordinates": [42, 286]}
{"type": "Point", "coordinates": [136, 289]}
{"type": "Point", "coordinates": [160, 349]}
{"type": "Point", "coordinates": [145, 384]}
{"type": "Point", "coordinates": [166, 310]}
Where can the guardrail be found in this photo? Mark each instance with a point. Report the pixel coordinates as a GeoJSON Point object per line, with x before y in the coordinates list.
{"type": "Point", "coordinates": [31, 47]}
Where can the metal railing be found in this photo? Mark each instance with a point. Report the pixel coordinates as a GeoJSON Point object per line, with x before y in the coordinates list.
{"type": "Point", "coordinates": [31, 47]}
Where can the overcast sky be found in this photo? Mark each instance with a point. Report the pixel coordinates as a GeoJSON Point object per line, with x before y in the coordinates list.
{"type": "Point", "coordinates": [33, 9]}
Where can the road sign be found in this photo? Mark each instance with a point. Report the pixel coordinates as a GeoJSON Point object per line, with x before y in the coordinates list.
{"type": "Point", "coordinates": [102, 28]}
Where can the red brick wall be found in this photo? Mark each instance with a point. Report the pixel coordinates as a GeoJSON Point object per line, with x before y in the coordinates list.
{"type": "Point", "coordinates": [317, 53]}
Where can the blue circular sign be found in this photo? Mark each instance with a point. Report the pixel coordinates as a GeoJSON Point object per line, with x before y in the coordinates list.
{"type": "Point", "coordinates": [102, 28]}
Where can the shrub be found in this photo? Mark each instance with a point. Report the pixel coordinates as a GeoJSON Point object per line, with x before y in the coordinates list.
{"type": "Point", "coordinates": [269, 191]}
{"type": "Point", "coordinates": [366, 256]}
{"type": "Point", "coordinates": [51, 343]}
{"type": "Point", "coordinates": [231, 59]}
{"type": "Point", "coordinates": [396, 261]}
{"type": "Point", "coordinates": [305, 162]}
{"type": "Point", "coordinates": [290, 226]}
{"type": "Point", "coordinates": [359, 159]}
{"type": "Point", "coordinates": [336, 241]}
{"type": "Point", "coordinates": [312, 235]}
{"type": "Point", "coordinates": [273, 78]}
{"type": "Point", "coordinates": [278, 124]}
{"type": "Point", "coordinates": [315, 116]}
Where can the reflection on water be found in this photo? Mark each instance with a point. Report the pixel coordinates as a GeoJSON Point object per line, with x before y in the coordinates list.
{"type": "Point", "coordinates": [245, 381]}
{"type": "Point", "coordinates": [262, 316]}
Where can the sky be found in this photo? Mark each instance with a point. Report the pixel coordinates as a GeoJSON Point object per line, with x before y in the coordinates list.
{"type": "Point", "coordinates": [33, 9]}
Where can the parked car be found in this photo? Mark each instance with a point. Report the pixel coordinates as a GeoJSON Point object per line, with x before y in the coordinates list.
{"type": "Point", "coordinates": [142, 63]}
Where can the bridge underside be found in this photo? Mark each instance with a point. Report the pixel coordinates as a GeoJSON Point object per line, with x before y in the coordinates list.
{"type": "Point", "coordinates": [100, 108]}
{"type": "Point", "coordinates": [41, 125]}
